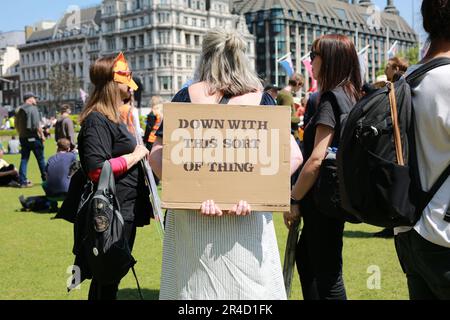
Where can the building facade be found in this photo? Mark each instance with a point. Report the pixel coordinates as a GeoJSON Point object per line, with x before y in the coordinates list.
{"type": "Point", "coordinates": [161, 39]}
{"type": "Point", "coordinates": [294, 25]}
{"type": "Point", "coordinates": [9, 68]}
{"type": "Point", "coordinates": [71, 46]}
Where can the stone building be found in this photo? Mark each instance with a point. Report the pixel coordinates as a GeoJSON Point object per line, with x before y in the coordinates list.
{"type": "Point", "coordinates": [295, 24]}
{"type": "Point", "coordinates": [161, 39]}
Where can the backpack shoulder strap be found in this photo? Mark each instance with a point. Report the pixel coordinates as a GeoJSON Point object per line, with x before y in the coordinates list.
{"type": "Point", "coordinates": [418, 75]}
{"type": "Point", "coordinates": [435, 188]}
{"type": "Point", "coordinates": [342, 99]}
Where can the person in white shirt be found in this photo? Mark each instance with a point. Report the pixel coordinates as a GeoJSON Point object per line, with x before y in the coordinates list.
{"type": "Point", "coordinates": [424, 251]}
{"type": "Point", "coordinates": [13, 146]}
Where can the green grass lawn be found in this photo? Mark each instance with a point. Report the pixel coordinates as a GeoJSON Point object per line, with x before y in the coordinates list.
{"type": "Point", "coordinates": [35, 253]}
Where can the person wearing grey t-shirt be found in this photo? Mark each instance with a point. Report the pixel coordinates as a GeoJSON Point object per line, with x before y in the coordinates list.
{"type": "Point", "coordinates": [64, 128]}
{"type": "Point", "coordinates": [31, 137]}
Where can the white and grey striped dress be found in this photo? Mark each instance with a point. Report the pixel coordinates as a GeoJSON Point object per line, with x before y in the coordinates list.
{"type": "Point", "coordinates": [220, 258]}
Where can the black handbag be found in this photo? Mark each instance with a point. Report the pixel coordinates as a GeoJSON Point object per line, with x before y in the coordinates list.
{"type": "Point", "coordinates": [326, 192]}
{"type": "Point", "coordinates": [106, 250]}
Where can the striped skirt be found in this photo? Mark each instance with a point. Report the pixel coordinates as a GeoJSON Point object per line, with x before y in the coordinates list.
{"type": "Point", "coordinates": [220, 258]}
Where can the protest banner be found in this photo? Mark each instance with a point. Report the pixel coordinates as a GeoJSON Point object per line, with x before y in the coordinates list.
{"type": "Point", "coordinates": [226, 153]}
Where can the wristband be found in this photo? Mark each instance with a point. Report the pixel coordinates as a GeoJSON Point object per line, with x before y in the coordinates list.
{"type": "Point", "coordinates": [294, 202]}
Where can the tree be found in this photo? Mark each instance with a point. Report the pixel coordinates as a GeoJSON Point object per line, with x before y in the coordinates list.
{"type": "Point", "coordinates": [62, 83]}
{"type": "Point", "coordinates": [412, 55]}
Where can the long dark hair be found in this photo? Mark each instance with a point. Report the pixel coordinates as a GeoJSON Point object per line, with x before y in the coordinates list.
{"type": "Point", "coordinates": [105, 97]}
{"type": "Point", "coordinates": [340, 65]}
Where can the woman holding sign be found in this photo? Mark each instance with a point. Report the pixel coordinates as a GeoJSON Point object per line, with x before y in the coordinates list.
{"type": "Point", "coordinates": [210, 253]}
{"type": "Point", "coordinates": [319, 251]}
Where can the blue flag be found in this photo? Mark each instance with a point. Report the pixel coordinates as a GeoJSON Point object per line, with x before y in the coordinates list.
{"type": "Point", "coordinates": [287, 65]}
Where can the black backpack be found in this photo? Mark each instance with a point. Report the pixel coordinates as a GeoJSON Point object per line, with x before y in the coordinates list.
{"type": "Point", "coordinates": [377, 162]}
{"type": "Point", "coordinates": [326, 192]}
{"type": "Point", "coordinates": [106, 250]}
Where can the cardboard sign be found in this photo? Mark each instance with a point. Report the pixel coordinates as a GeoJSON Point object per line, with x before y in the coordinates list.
{"type": "Point", "coordinates": [226, 153]}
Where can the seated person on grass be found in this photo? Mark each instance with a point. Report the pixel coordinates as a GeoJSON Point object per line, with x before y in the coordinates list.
{"type": "Point", "coordinates": [58, 172]}
{"type": "Point", "coordinates": [14, 146]}
{"type": "Point", "coordinates": [8, 173]}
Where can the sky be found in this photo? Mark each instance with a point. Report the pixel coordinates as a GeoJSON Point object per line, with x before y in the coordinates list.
{"type": "Point", "coordinates": [27, 12]}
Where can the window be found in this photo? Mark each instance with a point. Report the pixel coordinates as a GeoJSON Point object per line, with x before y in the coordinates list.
{"type": "Point", "coordinates": [141, 62]}
{"type": "Point", "coordinates": [189, 61]}
{"type": "Point", "coordinates": [141, 41]}
{"type": "Point", "coordinates": [125, 43]}
{"type": "Point", "coordinates": [164, 37]}
{"type": "Point", "coordinates": [187, 38]}
{"type": "Point", "coordinates": [133, 63]}
{"type": "Point", "coordinates": [150, 38]}
{"type": "Point", "coordinates": [194, 22]}
{"type": "Point", "coordinates": [133, 42]}
{"type": "Point", "coordinates": [109, 26]}
{"type": "Point", "coordinates": [165, 83]}
{"type": "Point", "coordinates": [150, 60]}
{"type": "Point", "coordinates": [164, 59]}
{"type": "Point", "coordinates": [178, 36]}
{"type": "Point", "coordinates": [110, 44]}
{"type": "Point", "coordinates": [178, 60]}
{"type": "Point", "coordinates": [197, 57]}
{"type": "Point", "coordinates": [150, 84]}
{"type": "Point", "coordinates": [197, 40]}
{"type": "Point", "coordinates": [93, 45]}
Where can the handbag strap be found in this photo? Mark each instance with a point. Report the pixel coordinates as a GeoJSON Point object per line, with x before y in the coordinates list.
{"type": "Point", "coordinates": [106, 181]}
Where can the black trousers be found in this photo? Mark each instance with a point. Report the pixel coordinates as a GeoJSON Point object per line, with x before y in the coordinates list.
{"type": "Point", "coordinates": [319, 255]}
{"type": "Point", "coordinates": [109, 292]}
{"type": "Point", "coordinates": [426, 265]}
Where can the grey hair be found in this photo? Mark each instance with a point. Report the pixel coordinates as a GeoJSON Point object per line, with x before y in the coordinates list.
{"type": "Point", "coordinates": [224, 65]}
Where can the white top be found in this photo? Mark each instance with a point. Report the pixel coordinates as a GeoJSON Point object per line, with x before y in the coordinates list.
{"type": "Point", "coordinates": [14, 146]}
{"type": "Point", "coordinates": [432, 114]}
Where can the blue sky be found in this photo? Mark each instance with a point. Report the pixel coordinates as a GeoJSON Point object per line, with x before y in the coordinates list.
{"type": "Point", "coordinates": [22, 12]}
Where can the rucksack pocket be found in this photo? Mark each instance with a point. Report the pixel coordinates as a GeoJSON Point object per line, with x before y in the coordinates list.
{"type": "Point", "coordinates": [388, 201]}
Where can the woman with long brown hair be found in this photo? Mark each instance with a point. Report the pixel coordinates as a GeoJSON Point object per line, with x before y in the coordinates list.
{"type": "Point", "coordinates": [319, 250]}
{"type": "Point", "coordinates": [104, 137]}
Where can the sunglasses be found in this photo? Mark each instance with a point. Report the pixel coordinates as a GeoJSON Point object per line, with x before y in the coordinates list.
{"type": "Point", "coordinates": [128, 74]}
{"type": "Point", "coordinates": [313, 55]}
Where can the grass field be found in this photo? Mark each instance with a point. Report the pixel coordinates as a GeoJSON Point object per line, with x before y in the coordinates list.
{"type": "Point", "coordinates": [35, 252]}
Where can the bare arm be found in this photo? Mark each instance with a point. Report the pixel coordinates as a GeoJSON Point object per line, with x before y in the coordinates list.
{"type": "Point", "coordinates": [156, 157]}
{"type": "Point", "coordinates": [296, 156]}
{"type": "Point", "coordinates": [310, 172]}
{"type": "Point", "coordinates": [133, 158]}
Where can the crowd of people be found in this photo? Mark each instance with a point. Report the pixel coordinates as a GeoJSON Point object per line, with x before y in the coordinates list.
{"type": "Point", "coordinates": [211, 253]}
